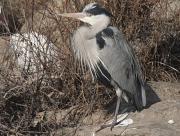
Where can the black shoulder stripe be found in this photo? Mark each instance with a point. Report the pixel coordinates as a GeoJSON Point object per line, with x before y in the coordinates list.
{"type": "Point", "coordinates": [100, 41]}
{"type": "Point", "coordinates": [103, 75]}
{"type": "Point", "coordinates": [108, 32]}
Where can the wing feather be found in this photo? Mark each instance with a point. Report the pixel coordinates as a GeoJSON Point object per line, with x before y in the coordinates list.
{"type": "Point", "coordinates": [120, 61]}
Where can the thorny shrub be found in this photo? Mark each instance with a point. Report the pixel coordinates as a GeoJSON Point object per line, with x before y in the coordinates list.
{"type": "Point", "coordinates": [63, 84]}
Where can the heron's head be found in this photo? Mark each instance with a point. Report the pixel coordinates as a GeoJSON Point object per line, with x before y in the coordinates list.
{"type": "Point", "coordinates": [92, 14]}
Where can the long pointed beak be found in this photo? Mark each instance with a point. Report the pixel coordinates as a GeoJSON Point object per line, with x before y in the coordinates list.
{"type": "Point", "coordinates": [74, 15]}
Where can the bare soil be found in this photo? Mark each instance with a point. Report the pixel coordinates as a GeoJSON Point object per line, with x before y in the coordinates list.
{"type": "Point", "coordinates": [152, 121]}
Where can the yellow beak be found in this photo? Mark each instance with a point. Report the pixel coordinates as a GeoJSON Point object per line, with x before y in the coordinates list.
{"type": "Point", "coordinates": [74, 15]}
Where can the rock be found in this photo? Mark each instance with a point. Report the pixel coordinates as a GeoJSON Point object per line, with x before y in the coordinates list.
{"type": "Point", "coordinates": [149, 122]}
{"type": "Point", "coordinates": [171, 121]}
{"type": "Point", "coordinates": [33, 51]}
{"type": "Point", "coordinates": [152, 121]}
{"type": "Point", "coordinates": [166, 90]}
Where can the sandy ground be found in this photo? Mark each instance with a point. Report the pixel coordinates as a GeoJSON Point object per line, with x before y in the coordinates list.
{"type": "Point", "coordinates": [158, 119]}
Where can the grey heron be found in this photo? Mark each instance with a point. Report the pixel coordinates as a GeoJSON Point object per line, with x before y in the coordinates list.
{"type": "Point", "coordinates": [108, 55]}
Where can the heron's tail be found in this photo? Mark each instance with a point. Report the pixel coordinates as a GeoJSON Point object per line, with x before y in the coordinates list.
{"type": "Point", "coordinates": [140, 98]}
{"type": "Point", "coordinates": [143, 93]}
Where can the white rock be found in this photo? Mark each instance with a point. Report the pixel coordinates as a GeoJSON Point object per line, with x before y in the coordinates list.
{"type": "Point", "coordinates": [120, 117]}
{"type": "Point", "coordinates": [93, 134]}
{"type": "Point", "coordinates": [32, 50]}
{"type": "Point", "coordinates": [125, 122]}
{"type": "Point", "coordinates": [171, 121]}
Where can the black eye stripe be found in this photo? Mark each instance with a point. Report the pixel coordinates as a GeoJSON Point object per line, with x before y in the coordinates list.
{"type": "Point", "coordinates": [96, 6]}
{"type": "Point", "coordinates": [98, 10]}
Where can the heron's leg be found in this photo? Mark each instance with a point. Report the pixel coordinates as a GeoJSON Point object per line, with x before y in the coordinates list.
{"type": "Point", "coordinates": [124, 96]}
{"type": "Point", "coordinates": [119, 94]}
{"type": "Point", "coordinates": [115, 122]}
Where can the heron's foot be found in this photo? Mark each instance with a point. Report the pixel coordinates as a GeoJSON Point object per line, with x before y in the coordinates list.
{"type": "Point", "coordinates": [114, 122]}
{"type": "Point", "coordinates": [118, 120]}
{"type": "Point", "coordinates": [103, 127]}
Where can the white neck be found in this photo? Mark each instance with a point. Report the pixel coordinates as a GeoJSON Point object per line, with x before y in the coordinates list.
{"type": "Point", "coordinates": [97, 24]}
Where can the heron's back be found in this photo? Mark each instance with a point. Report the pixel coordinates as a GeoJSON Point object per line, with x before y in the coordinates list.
{"type": "Point", "coordinates": [120, 62]}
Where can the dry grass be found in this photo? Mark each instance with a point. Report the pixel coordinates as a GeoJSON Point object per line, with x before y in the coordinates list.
{"type": "Point", "coordinates": [63, 85]}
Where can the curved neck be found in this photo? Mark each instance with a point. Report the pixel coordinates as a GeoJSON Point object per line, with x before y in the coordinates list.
{"type": "Point", "coordinates": [98, 27]}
